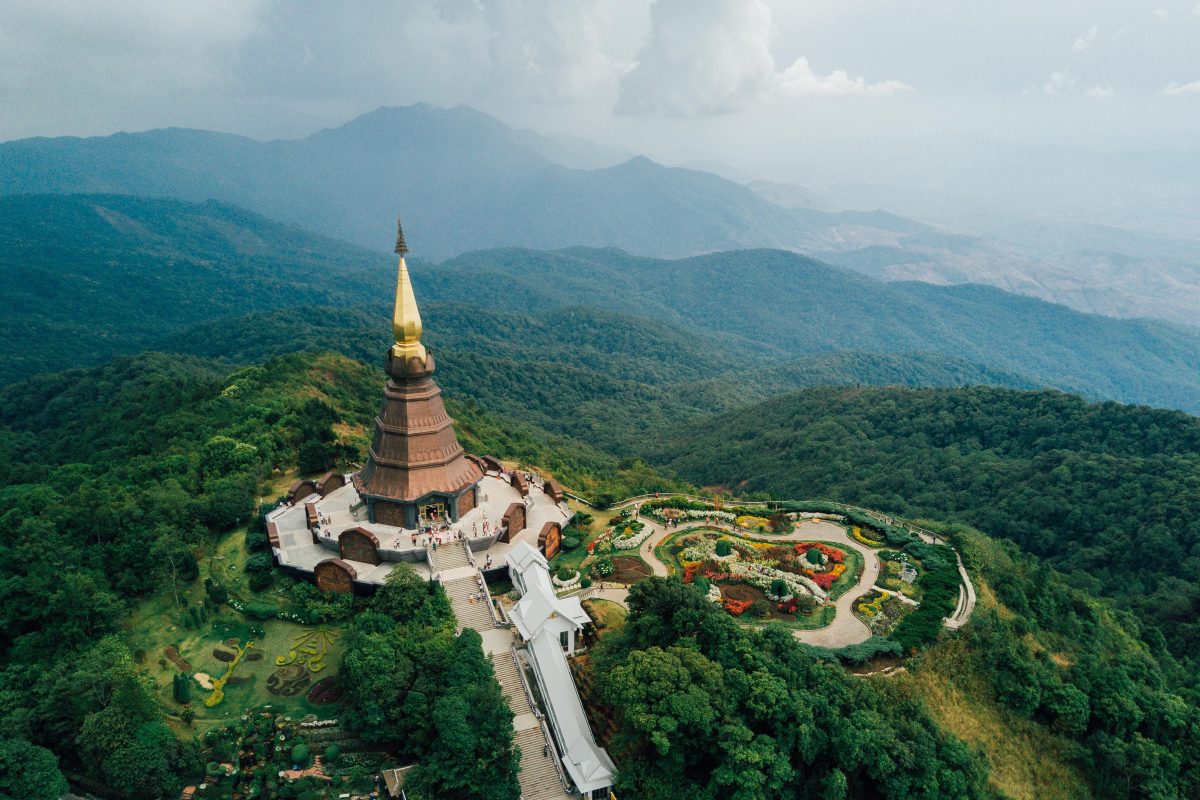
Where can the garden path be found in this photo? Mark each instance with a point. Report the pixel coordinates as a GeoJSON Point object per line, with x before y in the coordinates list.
{"type": "Point", "coordinates": [846, 629]}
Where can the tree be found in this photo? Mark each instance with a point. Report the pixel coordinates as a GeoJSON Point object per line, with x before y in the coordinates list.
{"type": "Point", "coordinates": [29, 772]}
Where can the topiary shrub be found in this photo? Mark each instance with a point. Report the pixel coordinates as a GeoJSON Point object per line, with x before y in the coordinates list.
{"type": "Point", "coordinates": [585, 582]}
{"type": "Point", "coordinates": [256, 540]}
{"type": "Point", "coordinates": [261, 580]}
{"type": "Point", "coordinates": [570, 543]}
{"type": "Point", "coordinates": [259, 562]}
{"type": "Point", "coordinates": [564, 573]}
{"type": "Point", "coordinates": [723, 547]}
{"type": "Point", "coordinates": [300, 755]}
{"type": "Point", "coordinates": [814, 556]}
{"type": "Point", "coordinates": [779, 588]}
{"type": "Point", "coordinates": [332, 752]}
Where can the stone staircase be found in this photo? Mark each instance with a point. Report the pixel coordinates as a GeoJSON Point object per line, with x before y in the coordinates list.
{"type": "Point", "coordinates": [539, 777]}
{"type": "Point", "coordinates": [469, 613]}
{"type": "Point", "coordinates": [510, 683]}
{"type": "Point", "coordinates": [450, 555]}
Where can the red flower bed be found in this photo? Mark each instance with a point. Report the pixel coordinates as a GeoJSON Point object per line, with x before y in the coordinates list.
{"type": "Point", "coordinates": [736, 607]}
{"type": "Point", "coordinates": [832, 553]}
{"type": "Point", "coordinates": [823, 579]}
{"type": "Point", "coordinates": [789, 607]}
{"type": "Point", "coordinates": [689, 572]}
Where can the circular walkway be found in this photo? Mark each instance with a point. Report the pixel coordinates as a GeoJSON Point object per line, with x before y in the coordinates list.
{"type": "Point", "coordinates": [846, 629]}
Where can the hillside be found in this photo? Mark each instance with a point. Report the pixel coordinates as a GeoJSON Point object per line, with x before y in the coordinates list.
{"type": "Point", "coordinates": [1108, 494]}
{"type": "Point", "coordinates": [86, 278]}
{"type": "Point", "coordinates": [800, 306]}
{"type": "Point", "coordinates": [126, 274]}
{"type": "Point", "coordinates": [1047, 693]}
{"type": "Point", "coordinates": [466, 181]}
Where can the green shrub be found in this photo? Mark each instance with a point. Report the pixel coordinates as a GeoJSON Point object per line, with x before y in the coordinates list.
{"type": "Point", "coordinates": [603, 568]}
{"type": "Point", "coordinates": [257, 610]}
{"type": "Point", "coordinates": [216, 592]}
{"type": "Point", "coordinates": [760, 608]}
{"type": "Point", "coordinates": [256, 540]}
{"type": "Point", "coordinates": [261, 580]}
{"type": "Point", "coordinates": [181, 688]}
{"type": "Point", "coordinates": [565, 573]}
{"type": "Point", "coordinates": [259, 562]}
{"type": "Point", "coordinates": [300, 755]}
{"type": "Point", "coordinates": [570, 543]}
{"type": "Point", "coordinates": [585, 582]}
{"type": "Point", "coordinates": [779, 588]}
{"type": "Point", "coordinates": [332, 752]}
{"type": "Point", "coordinates": [723, 547]}
{"type": "Point", "coordinates": [814, 557]}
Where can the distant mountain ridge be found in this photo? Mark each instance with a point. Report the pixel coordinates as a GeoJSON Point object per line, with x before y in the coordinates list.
{"type": "Point", "coordinates": [468, 182]}
{"type": "Point", "coordinates": [86, 277]}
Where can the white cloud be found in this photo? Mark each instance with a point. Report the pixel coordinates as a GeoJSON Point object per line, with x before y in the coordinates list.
{"type": "Point", "coordinates": [713, 56]}
{"type": "Point", "coordinates": [1059, 83]}
{"type": "Point", "coordinates": [799, 79]}
{"type": "Point", "coordinates": [1177, 89]}
{"type": "Point", "coordinates": [1100, 91]}
{"type": "Point", "coordinates": [1086, 41]}
{"type": "Point", "coordinates": [1160, 13]}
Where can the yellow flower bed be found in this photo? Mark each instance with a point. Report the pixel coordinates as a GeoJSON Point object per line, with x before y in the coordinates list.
{"type": "Point", "coordinates": [838, 569]}
{"type": "Point", "coordinates": [858, 535]}
{"type": "Point", "coordinates": [872, 608]}
{"type": "Point", "coordinates": [752, 522]}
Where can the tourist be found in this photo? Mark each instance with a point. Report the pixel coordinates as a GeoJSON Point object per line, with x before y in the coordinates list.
{"type": "Point", "coordinates": [414, 538]}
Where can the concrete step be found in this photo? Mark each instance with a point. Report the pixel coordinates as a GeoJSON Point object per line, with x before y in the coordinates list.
{"type": "Point", "coordinates": [449, 556]}
{"type": "Point", "coordinates": [539, 777]}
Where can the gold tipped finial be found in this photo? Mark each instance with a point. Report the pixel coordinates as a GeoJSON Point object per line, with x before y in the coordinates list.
{"type": "Point", "coordinates": [406, 319]}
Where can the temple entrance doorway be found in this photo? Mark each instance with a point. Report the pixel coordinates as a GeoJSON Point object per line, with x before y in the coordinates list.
{"type": "Point", "coordinates": [433, 513]}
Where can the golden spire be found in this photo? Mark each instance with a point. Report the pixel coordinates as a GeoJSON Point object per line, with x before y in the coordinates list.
{"type": "Point", "coordinates": [406, 319]}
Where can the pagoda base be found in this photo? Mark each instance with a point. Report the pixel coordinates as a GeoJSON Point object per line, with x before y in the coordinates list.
{"type": "Point", "coordinates": [429, 510]}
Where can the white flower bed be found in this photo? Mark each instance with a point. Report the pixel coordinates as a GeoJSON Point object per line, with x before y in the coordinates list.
{"type": "Point", "coordinates": [714, 593]}
{"type": "Point", "coordinates": [761, 577]}
{"type": "Point", "coordinates": [688, 513]}
{"type": "Point", "coordinates": [707, 551]}
{"type": "Point", "coordinates": [635, 540]}
{"type": "Point", "coordinates": [567, 584]}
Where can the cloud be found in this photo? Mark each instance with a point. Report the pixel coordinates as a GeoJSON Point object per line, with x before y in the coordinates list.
{"type": "Point", "coordinates": [799, 79]}
{"type": "Point", "coordinates": [1100, 91]}
{"type": "Point", "coordinates": [1160, 13]}
{"type": "Point", "coordinates": [1066, 80]}
{"type": "Point", "coordinates": [706, 57]}
{"type": "Point", "coordinates": [1086, 41]}
{"type": "Point", "coordinates": [1176, 89]}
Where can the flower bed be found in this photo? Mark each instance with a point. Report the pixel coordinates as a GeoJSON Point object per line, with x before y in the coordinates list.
{"type": "Point", "coordinates": [631, 535]}
{"type": "Point", "coordinates": [752, 522]}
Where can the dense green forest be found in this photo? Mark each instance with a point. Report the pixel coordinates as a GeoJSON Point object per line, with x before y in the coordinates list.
{"type": "Point", "coordinates": [116, 478]}
{"type": "Point", "coordinates": [1108, 494]}
{"type": "Point", "coordinates": [129, 274]}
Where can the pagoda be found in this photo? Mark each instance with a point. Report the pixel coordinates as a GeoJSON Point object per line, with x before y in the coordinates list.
{"type": "Point", "coordinates": [416, 470]}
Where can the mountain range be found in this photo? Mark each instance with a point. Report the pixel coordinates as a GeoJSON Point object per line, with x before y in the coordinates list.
{"type": "Point", "coordinates": [89, 277]}
{"type": "Point", "coordinates": [465, 181]}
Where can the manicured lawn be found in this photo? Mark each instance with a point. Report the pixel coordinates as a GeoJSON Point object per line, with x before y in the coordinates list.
{"type": "Point", "coordinates": [607, 614]}
{"type": "Point", "coordinates": [157, 624]}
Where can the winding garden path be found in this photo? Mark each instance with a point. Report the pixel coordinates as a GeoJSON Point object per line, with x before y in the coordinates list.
{"type": "Point", "coordinates": [846, 628]}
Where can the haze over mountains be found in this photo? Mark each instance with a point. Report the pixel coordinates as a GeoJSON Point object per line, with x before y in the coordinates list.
{"type": "Point", "coordinates": [86, 278]}
{"type": "Point", "coordinates": [466, 181]}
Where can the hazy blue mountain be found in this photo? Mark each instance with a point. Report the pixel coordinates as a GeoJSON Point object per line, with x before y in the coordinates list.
{"type": "Point", "coordinates": [462, 179]}
{"type": "Point", "coordinates": [84, 278]}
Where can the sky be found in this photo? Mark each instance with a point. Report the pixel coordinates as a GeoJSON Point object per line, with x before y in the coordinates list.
{"type": "Point", "coordinates": [823, 89]}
